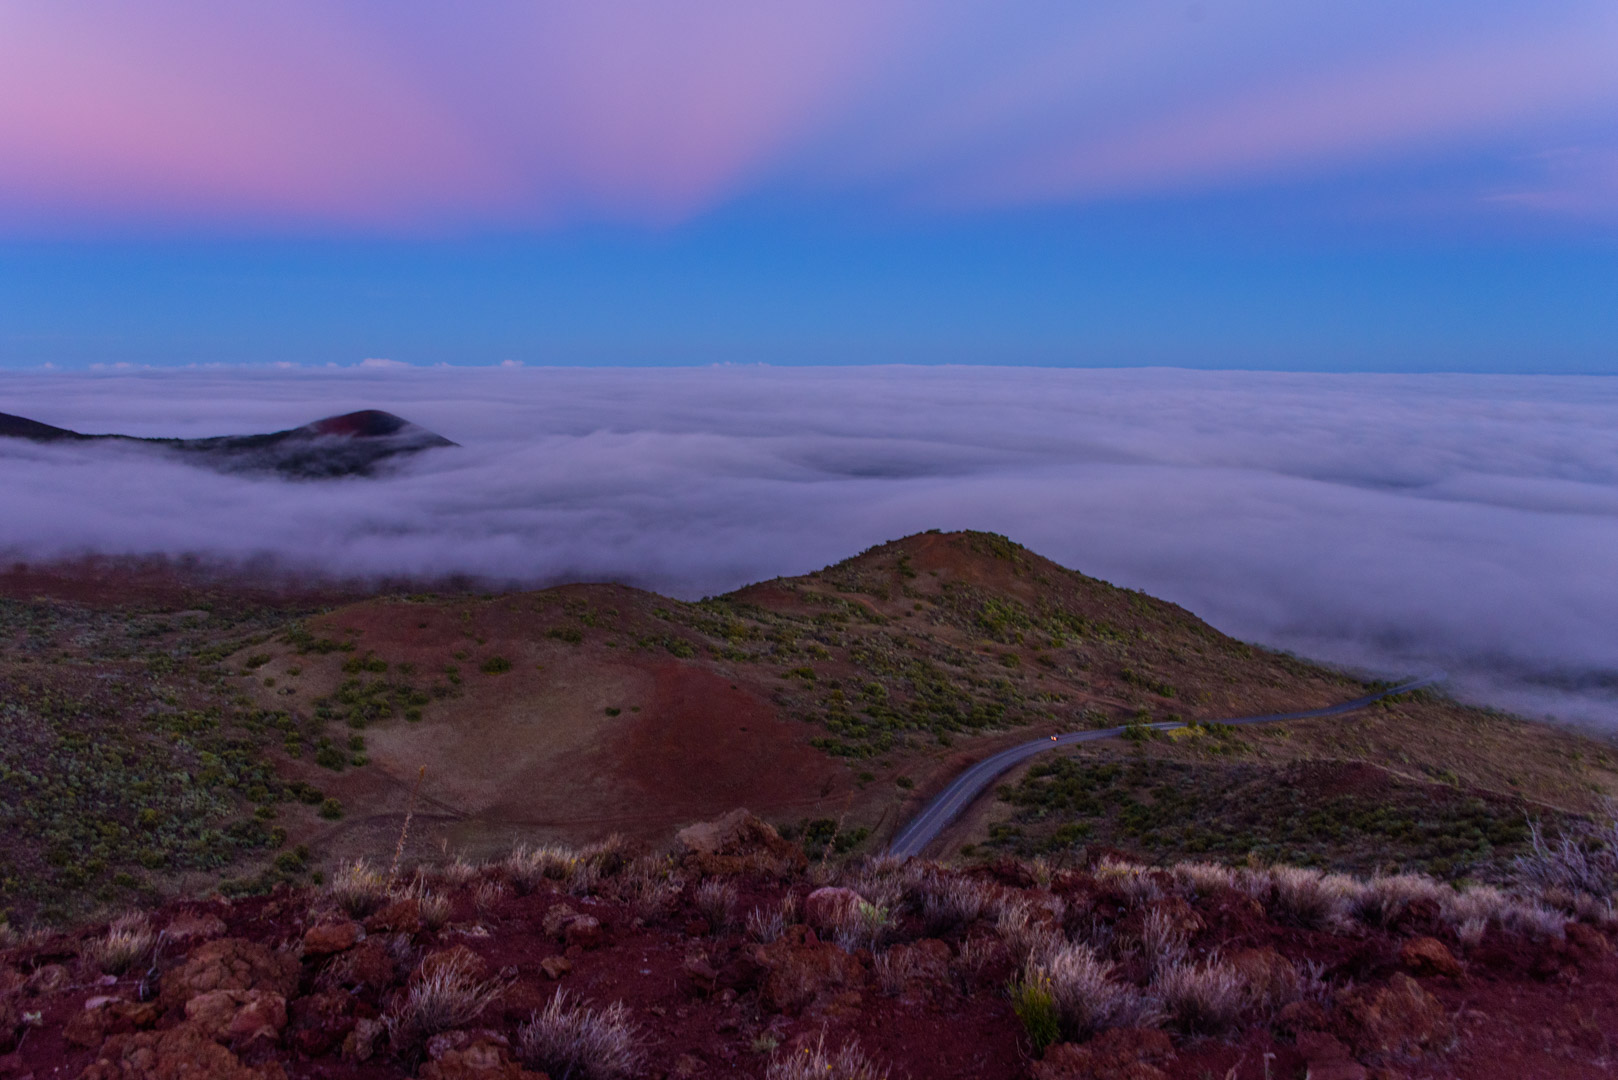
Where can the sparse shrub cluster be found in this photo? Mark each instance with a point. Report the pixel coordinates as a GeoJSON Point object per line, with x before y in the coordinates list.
{"type": "Point", "coordinates": [1233, 810]}
{"type": "Point", "coordinates": [568, 1039]}
{"type": "Point", "coordinates": [847, 1062]}
{"type": "Point", "coordinates": [447, 996]}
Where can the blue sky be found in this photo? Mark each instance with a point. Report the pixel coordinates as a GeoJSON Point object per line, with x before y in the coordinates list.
{"type": "Point", "coordinates": [1221, 184]}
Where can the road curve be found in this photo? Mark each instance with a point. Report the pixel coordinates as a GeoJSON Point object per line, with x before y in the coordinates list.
{"type": "Point", "coordinates": [948, 804]}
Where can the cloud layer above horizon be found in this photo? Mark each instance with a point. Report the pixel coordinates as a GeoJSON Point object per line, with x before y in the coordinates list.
{"type": "Point", "coordinates": [1397, 523]}
{"type": "Point", "coordinates": [416, 117]}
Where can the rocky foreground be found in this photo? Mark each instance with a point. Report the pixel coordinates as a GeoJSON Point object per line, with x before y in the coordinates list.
{"type": "Point", "coordinates": [734, 955]}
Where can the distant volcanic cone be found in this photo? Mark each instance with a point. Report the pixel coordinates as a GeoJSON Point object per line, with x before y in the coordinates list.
{"type": "Point", "coordinates": [349, 445]}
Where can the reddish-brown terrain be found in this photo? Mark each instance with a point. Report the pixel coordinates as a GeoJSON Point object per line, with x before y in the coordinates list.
{"type": "Point", "coordinates": [318, 984]}
{"type": "Point", "coordinates": [216, 752]}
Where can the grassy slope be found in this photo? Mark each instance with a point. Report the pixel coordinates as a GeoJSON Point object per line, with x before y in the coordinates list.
{"type": "Point", "coordinates": [838, 700]}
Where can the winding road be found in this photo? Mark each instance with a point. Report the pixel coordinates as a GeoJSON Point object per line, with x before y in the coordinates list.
{"type": "Point", "coordinates": [948, 804]}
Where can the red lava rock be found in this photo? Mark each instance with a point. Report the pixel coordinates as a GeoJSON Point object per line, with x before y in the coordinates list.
{"type": "Point", "coordinates": [238, 1017]}
{"type": "Point", "coordinates": [557, 916]}
{"type": "Point", "coordinates": [1266, 971]}
{"type": "Point", "coordinates": [799, 975]}
{"type": "Point", "coordinates": [457, 955]}
{"type": "Point", "coordinates": [47, 980]}
{"type": "Point", "coordinates": [103, 1016]}
{"type": "Point", "coordinates": [826, 907]}
{"type": "Point", "coordinates": [519, 1001]}
{"type": "Point", "coordinates": [688, 1067]}
{"type": "Point", "coordinates": [399, 917]}
{"type": "Point", "coordinates": [1009, 871]}
{"type": "Point", "coordinates": [1586, 942]}
{"type": "Point", "coordinates": [703, 975]}
{"type": "Point", "coordinates": [194, 925]}
{"type": "Point", "coordinates": [328, 938]}
{"type": "Point", "coordinates": [584, 932]}
{"type": "Point", "coordinates": [472, 1055]}
{"type": "Point", "coordinates": [1115, 1054]}
{"type": "Point", "coordinates": [318, 1022]}
{"type": "Point", "coordinates": [180, 1053]}
{"type": "Point", "coordinates": [555, 967]}
{"type": "Point", "coordinates": [11, 1025]}
{"type": "Point", "coordinates": [229, 964]}
{"type": "Point", "coordinates": [1399, 1021]}
{"type": "Point", "coordinates": [368, 964]}
{"type": "Point", "coordinates": [741, 973]}
{"type": "Point", "coordinates": [922, 969]}
{"type": "Point", "coordinates": [1298, 1017]}
{"type": "Point", "coordinates": [1428, 956]}
{"type": "Point", "coordinates": [739, 843]}
{"type": "Point", "coordinates": [1326, 1058]}
{"type": "Point", "coordinates": [361, 1042]}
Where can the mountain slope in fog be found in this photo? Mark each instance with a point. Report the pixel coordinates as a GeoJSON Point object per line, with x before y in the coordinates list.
{"type": "Point", "coordinates": [352, 444]}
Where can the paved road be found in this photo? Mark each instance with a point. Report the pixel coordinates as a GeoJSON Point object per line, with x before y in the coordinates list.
{"type": "Point", "coordinates": [949, 803]}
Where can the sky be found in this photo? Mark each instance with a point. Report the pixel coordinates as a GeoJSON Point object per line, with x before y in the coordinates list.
{"type": "Point", "coordinates": [1397, 524]}
{"type": "Point", "coordinates": [1335, 186]}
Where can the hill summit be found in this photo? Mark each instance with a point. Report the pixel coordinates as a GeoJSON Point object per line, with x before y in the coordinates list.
{"type": "Point", "coordinates": [352, 444]}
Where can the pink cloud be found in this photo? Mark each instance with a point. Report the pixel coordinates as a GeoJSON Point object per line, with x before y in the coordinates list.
{"type": "Point", "coordinates": [296, 112]}
{"type": "Point", "coordinates": [415, 116]}
{"type": "Point", "coordinates": [1356, 109]}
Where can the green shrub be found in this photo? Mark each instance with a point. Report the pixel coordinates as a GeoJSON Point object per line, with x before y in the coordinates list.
{"type": "Point", "coordinates": [1035, 1005]}
{"type": "Point", "coordinates": [331, 809]}
{"type": "Point", "coordinates": [495, 665]}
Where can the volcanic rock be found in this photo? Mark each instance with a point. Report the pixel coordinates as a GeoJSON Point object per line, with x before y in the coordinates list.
{"type": "Point", "coordinates": [1428, 956]}
{"type": "Point", "coordinates": [328, 938]}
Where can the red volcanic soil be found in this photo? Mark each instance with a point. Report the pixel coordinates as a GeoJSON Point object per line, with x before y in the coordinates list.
{"type": "Point", "coordinates": [1409, 1000]}
{"type": "Point", "coordinates": [162, 583]}
{"type": "Point", "coordinates": [367, 423]}
{"type": "Point", "coordinates": [573, 738]}
{"type": "Point", "coordinates": [705, 741]}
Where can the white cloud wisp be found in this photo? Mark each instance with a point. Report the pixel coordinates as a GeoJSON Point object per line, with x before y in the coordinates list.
{"type": "Point", "coordinates": [1396, 523]}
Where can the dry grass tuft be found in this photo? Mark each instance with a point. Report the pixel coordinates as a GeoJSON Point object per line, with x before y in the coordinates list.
{"type": "Point", "coordinates": [567, 1040]}
{"type": "Point", "coordinates": [358, 888]}
{"type": "Point", "coordinates": [435, 909]}
{"type": "Point", "coordinates": [948, 903]}
{"type": "Point", "coordinates": [815, 1062]}
{"type": "Point", "coordinates": [1023, 936]}
{"type": "Point", "coordinates": [1203, 878]}
{"type": "Point", "coordinates": [529, 867]}
{"type": "Point", "coordinates": [1310, 898]}
{"type": "Point", "coordinates": [1137, 883]}
{"type": "Point", "coordinates": [609, 856]}
{"type": "Point", "coordinates": [125, 943]}
{"type": "Point", "coordinates": [584, 878]}
{"type": "Point", "coordinates": [448, 997]}
{"type": "Point", "coordinates": [1163, 940]}
{"type": "Point", "coordinates": [765, 925]}
{"type": "Point", "coordinates": [1205, 1000]}
{"type": "Point", "coordinates": [650, 886]}
{"type": "Point", "coordinates": [865, 925]}
{"type": "Point", "coordinates": [1086, 996]}
{"type": "Point", "coordinates": [489, 896]}
{"type": "Point", "coordinates": [458, 871]}
{"type": "Point", "coordinates": [716, 900]}
{"type": "Point", "coordinates": [1582, 865]}
{"type": "Point", "coordinates": [1382, 900]}
{"type": "Point", "coordinates": [968, 963]}
{"type": "Point", "coordinates": [894, 969]}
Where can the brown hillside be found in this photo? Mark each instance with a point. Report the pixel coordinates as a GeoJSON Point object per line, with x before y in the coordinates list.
{"type": "Point", "coordinates": [169, 728]}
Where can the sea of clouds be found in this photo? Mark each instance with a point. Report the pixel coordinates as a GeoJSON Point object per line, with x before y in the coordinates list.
{"type": "Point", "coordinates": [1396, 524]}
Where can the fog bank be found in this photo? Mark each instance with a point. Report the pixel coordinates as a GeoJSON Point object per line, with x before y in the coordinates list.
{"type": "Point", "coordinates": [1397, 523]}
